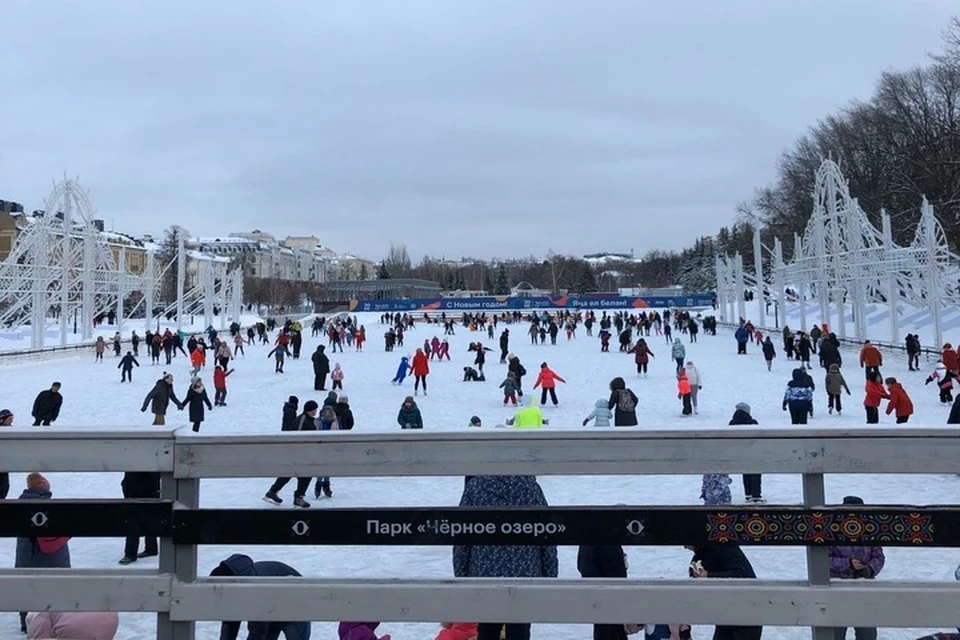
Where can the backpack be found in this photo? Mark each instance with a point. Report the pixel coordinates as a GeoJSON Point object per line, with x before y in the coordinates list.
{"type": "Point", "coordinates": [626, 403]}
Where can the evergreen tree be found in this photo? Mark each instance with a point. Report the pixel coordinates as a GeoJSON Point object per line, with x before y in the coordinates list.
{"type": "Point", "coordinates": [502, 287]}
{"type": "Point", "coordinates": [382, 273]}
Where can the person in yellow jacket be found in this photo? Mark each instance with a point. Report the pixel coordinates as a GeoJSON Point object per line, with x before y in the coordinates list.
{"type": "Point", "coordinates": [530, 417]}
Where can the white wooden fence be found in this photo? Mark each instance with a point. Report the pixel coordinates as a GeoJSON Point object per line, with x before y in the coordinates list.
{"type": "Point", "coordinates": [180, 598]}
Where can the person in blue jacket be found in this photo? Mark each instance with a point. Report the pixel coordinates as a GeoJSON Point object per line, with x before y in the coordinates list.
{"type": "Point", "coordinates": [742, 336]}
{"type": "Point", "coordinates": [402, 370]}
{"type": "Point", "coordinates": [241, 565]}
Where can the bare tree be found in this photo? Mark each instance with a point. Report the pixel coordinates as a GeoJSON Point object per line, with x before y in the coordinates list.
{"type": "Point", "coordinates": [398, 261]}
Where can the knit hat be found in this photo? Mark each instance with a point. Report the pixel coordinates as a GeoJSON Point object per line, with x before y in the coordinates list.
{"type": "Point", "coordinates": [743, 406]}
{"type": "Point", "coordinates": [294, 400]}
{"type": "Point", "coordinates": [852, 500]}
{"type": "Point", "coordinates": [408, 399]}
{"type": "Point", "coordinates": [36, 481]}
{"type": "Point", "coordinates": [475, 421]}
{"type": "Point", "coordinates": [310, 405]}
{"type": "Point", "coordinates": [344, 399]}
{"type": "Point", "coordinates": [4, 414]}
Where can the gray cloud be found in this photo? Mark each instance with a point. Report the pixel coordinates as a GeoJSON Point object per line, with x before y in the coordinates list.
{"type": "Point", "coordinates": [476, 127]}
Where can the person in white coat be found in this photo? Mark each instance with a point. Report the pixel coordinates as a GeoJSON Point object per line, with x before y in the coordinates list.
{"type": "Point", "coordinates": [696, 382]}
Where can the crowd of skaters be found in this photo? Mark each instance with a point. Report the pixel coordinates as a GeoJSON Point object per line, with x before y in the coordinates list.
{"type": "Point", "coordinates": [619, 408]}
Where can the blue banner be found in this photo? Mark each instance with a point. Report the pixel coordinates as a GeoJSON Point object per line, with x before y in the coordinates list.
{"type": "Point", "coordinates": [511, 303]}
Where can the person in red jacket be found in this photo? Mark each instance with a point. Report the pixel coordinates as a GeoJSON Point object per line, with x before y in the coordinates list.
{"type": "Point", "coordinates": [899, 401]}
{"type": "Point", "coordinates": [220, 386]}
{"type": "Point", "coordinates": [547, 379]}
{"type": "Point", "coordinates": [420, 368]}
{"type": "Point", "coordinates": [875, 392]}
{"type": "Point", "coordinates": [949, 359]}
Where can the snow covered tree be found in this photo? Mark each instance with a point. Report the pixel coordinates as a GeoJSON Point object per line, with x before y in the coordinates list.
{"type": "Point", "coordinates": [502, 287]}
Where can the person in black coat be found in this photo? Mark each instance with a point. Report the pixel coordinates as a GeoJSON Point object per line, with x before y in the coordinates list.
{"type": "Point", "coordinates": [6, 420]}
{"type": "Point", "coordinates": [241, 565]}
{"type": "Point", "coordinates": [321, 368]}
{"type": "Point", "coordinates": [196, 398]}
{"type": "Point", "coordinates": [518, 371]}
{"type": "Point", "coordinates": [751, 481]}
{"type": "Point", "coordinates": [603, 561]}
{"type": "Point", "coordinates": [344, 413]}
{"type": "Point", "coordinates": [623, 402]}
{"type": "Point", "coordinates": [126, 367]}
{"type": "Point", "coordinates": [830, 352]}
{"type": "Point", "coordinates": [140, 485]}
{"type": "Point", "coordinates": [46, 406]}
{"type": "Point", "coordinates": [504, 345]}
{"type": "Point", "coordinates": [724, 561]}
{"type": "Point", "coordinates": [302, 422]}
{"type": "Point", "coordinates": [954, 417]}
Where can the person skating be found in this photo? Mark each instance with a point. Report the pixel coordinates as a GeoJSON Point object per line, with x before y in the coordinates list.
{"type": "Point", "coordinates": [683, 392]}
{"type": "Point", "coordinates": [769, 352]}
{"type": "Point", "coordinates": [195, 400]}
{"type": "Point", "coordinates": [642, 355]}
{"type": "Point", "coordinates": [834, 384]}
{"type": "Point", "coordinates": [944, 378]}
{"type": "Point", "coordinates": [504, 345]}
{"type": "Point", "coordinates": [126, 365]}
{"type": "Point", "coordinates": [518, 370]}
{"type": "Point", "coordinates": [321, 368]}
{"type": "Point", "coordinates": [337, 377]}
{"type": "Point", "coordinates": [47, 405]}
{"type": "Point", "coordinates": [830, 351]}
{"type": "Point", "coordinates": [623, 402]}
{"type": "Point", "coordinates": [409, 415]}
{"type": "Point", "coordinates": [696, 383]}
{"type": "Point", "coordinates": [160, 397]}
{"type": "Point", "coordinates": [303, 422]}
{"type": "Point", "coordinates": [240, 565]}
{"type": "Point", "coordinates": [420, 368]}
{"type": "Point", "coordinates": [870, 359]}
{"type": "Point", "coordinates": [715, 489]}
{"type": "Point", "coordinates": [99, 347]}
{"type": "Point", "coordinates": [752, 489]}
{"type": "Point", "coordinates": [852, 563]}
{"type": "Point", "coordinates": [874, 392]}
{"type": "Point", "coordinates": [220, 385]}
{"type": "Point", "coordinates": [949, 358]}
{"type": "Point", "coordinates": [279, 354]}
{"type": "Point", "coordinates": [547, 379]}
{"type": "Point", "coordinates": [678, 352]}
{"type": "Point", "coordinates": [139, 485]}
{"type": "Point", "coordinates": [899, 401]}
{"type": "Point", "coordinates": [912, 345]}
{"type": "Point", "coordinates": [601, 414]}
{"type": "Point", "coordinates": [402, 370]}
{"type": "Point", "coordinates": [510, 388]}
{"type": "Point", "coordinates": [327, 420]}
{"type": "Point", "coordinates": [798, 397]}
{"type": "Point", "coordinates": [804, 347]}
{"type": "Point", "coordinates": [344, 413]}
{"type": "Point", "coordinates": [741, 335]}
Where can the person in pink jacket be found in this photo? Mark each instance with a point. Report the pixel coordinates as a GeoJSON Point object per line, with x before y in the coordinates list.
{"type": "Point", "coordinates": [75, 625]}
{"type": "Point", "coordinates": [547, 379]}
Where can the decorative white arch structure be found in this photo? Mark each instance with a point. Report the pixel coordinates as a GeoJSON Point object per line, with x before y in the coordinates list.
{"type": "Point", "coordinates": [62, 271]}
{"type": "Point", "coordinates": [842, 264]}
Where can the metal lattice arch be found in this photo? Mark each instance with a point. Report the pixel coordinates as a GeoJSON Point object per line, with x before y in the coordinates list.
{"type": "Point", "coordinates": [62, 270]}
{"type": "Point", "coordinates": [843, 266]}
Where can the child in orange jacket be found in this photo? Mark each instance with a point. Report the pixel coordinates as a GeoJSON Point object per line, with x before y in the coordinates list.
{"type": "Point", "coordinates": [683, 392]}
{"type": "Point", "coordinates": [197, 359]}
{"type": "Point", "coordinates": [899, 401]}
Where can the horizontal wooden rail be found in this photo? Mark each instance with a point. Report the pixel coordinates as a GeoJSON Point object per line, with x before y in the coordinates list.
{"type": "Point", "coordinates": [56, 449]}
{"type": "Point", "coordinates": [707, 601]}
{"type": "Point", "coordinates": [84, 590]}
{"type": "Point", "coordinates": [587, 452]}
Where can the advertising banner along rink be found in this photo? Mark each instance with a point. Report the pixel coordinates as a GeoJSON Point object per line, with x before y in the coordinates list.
{"type": "Point", "coordinates": [512, 303]}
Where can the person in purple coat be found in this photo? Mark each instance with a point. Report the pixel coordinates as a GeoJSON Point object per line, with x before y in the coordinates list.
{"type": "Point", "coordinates": [850, 563]}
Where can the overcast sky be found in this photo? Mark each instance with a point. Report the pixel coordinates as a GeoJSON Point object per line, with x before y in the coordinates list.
{"type": "Point", "coordinates": [459, 127]}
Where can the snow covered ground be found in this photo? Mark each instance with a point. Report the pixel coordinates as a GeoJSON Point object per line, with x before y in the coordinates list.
{"type": "Point", "coordinates": [94, 397]}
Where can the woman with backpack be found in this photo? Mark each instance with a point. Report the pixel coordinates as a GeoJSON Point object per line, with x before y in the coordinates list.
{"type": "Point", "coordinates": [623, 402]}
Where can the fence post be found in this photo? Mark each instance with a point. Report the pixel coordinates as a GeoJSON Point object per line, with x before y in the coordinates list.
{"type": "Point", "coordinates": [818, 562]}
{"type": "Point", "coordinates": [179, 560]}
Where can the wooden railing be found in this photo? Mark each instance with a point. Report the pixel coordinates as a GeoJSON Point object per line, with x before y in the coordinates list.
{"type": "Point", "coordinates": [179, 598]}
